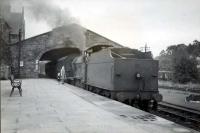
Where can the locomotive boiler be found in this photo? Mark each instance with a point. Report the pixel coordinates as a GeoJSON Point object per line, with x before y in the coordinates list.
{"type": "Point", "coordinates": [123, 74]}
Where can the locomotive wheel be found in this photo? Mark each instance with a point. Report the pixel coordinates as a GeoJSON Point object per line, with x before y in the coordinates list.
{"type": "Point", "coordinates": [140, 104]}
{"type": "Point", "coordinates": [107, 94]}
{"type": "Point", "coordinates": [146, 105]}
{"type": "Point", "coordinates": [126, 102]}
{"type": "Point", "coordinates": [100, 92]}
{"type": "Point", "coordinates": [155, 105]}
{"type": "Point", "coordinates": [77, 83]}
{"type": "Point", "coordinates": [84, 86]}
{"type": "Point", "coordinates": [89, 88]}
{"type": "Point", "coordinates": [97, 91]}
{"type": "Point", "coordinates": [113, 95]}
{"type": "Point", "coordinates": [135, 102]}
{"type": "Point", "coordinates": [143, 104]}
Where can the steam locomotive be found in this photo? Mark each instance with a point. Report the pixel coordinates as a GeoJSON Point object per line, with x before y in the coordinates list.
{"type": "Point", "coordinates": [122, 74]}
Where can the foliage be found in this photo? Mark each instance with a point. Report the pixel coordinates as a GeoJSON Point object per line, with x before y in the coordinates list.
{"type": "Point", "coordinates": [185, 70]}
{"type": "Point", "coordinates": [194, 49]}
{"type": "Point", "coordinates": [165, 61]}
{"type": "Point", "coordinates": [182, 61]}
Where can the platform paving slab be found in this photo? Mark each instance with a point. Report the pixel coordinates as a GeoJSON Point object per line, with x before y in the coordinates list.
{"type": "Point", "coordinates": [50, 107]}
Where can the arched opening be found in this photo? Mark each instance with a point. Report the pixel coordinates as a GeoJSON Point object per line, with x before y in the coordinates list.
{"type": "Point", "coordinates": [51, 61]}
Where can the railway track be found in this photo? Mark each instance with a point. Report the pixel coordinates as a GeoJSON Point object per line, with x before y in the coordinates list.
{"type": "Point", "coordinates": [183, 116]}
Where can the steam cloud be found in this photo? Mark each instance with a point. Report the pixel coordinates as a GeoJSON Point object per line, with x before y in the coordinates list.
{"type": "Point", "coordinates": [57, 17]}
{"type": "Point", "coordinates": [54, 16]}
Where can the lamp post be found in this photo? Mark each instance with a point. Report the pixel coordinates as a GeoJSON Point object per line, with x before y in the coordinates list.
{"type": "Point", "coordinates": [19, 57]}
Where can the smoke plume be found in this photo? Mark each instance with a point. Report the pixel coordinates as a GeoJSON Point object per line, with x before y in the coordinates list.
{"type": "Point", "coordinates": [65, 27]}
{"type": "Point", "coordinates": [54, 16]}
{"type": "Point", "coordinates": [47, 11]}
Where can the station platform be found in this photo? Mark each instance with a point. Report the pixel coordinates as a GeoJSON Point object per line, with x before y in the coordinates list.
{"type": "Point", "coordinates": [178, 97]}
{"type": "Point", "coordinates": [50, 107]}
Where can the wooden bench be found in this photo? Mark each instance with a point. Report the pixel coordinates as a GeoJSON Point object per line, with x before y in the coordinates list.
{"type": "Point", "coordinates": [15, 84]}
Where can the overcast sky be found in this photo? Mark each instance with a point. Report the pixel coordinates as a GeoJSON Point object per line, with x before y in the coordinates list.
{"type": "Point", "coordinates": [132, 23]}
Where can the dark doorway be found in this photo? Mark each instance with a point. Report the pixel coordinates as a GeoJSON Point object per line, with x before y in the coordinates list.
{"type": "Point", "coordinates": [49, 63]}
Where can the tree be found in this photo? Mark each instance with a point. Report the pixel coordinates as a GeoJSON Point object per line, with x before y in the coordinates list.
{"type": "Point", "coordinates": [165, 62]}
{"type": "Point", "coordinates": [181, 60]}
{"type": "Point", "coordinates": [185, 70]}
{"type": "Point", "coordinates": [194, 49]}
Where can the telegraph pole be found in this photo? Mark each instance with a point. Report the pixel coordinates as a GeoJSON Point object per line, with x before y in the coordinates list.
{"type": "Point", "coordinates": [145, 48]}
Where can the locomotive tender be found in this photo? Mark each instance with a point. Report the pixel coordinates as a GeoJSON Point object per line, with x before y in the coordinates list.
{"type": "Point", "coordinates": [123, 74]}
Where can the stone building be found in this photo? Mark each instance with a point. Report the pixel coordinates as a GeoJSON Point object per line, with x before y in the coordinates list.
{"type": "Point", "coordinates": [12, 30]}
{"type": "Point", "coordinates": [16, 22]}
{"type": "Point", "coordinates": [4, 30]}
{"type": "Point", "coordinates": [5, 59]}
{"type": "Point", "coordinates": [51, 46]}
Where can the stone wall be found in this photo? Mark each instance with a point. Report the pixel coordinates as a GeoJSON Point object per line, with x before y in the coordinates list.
{"type": "Point", "coordinates": [33, 48]}
{"type": "Point", "coordinates": [5, 59]}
